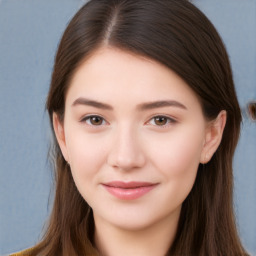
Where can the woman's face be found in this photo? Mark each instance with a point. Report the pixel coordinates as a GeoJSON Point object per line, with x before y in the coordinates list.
{"type": "Point", "coordinates": [133, 134]}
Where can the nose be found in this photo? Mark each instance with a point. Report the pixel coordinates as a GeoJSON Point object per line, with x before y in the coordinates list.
{"type": "Point", "coordinates": [126, 152]}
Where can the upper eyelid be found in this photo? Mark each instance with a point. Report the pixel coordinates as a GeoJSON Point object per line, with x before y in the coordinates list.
{"type": "Point", "coordinates": [84, 117]}
{"type": "Point", "coordinates": [165, 116]}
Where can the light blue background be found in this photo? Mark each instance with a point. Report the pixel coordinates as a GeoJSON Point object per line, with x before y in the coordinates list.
{"type": "Point", "coordinates": [29, 34]}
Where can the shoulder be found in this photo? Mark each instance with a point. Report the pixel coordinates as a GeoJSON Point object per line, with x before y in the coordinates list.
{"type": "Point", "coordinates": [23, 253]}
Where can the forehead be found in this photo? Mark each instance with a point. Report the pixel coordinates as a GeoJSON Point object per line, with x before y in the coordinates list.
{"type": "Point", "coordinates": [116, 75]}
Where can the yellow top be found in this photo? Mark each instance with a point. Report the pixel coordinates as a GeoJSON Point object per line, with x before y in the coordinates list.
{"type": "Point", "coordinates": [23, 253]}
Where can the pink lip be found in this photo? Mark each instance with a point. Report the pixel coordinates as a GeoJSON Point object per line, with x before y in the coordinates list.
{"type": "Point", "coordinates": [128, 190]}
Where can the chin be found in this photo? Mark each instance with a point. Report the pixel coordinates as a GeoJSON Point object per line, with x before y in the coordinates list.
{"type": "Point", "coordinates": [131, 219]}
{"type": "Point", "coordinates": [131, 224]}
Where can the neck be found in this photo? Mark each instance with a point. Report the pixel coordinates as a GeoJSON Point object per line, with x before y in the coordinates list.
{"type": "Point", "coordinates": [155, 240]}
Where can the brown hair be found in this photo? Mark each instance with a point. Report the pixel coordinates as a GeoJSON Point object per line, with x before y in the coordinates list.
{"type": "Point", "coordinates": [178, 35]}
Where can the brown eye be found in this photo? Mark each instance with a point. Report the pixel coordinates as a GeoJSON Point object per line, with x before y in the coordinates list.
{"type": "Point", "coordinates": [161, 121]}
{"type": "Point", "coordinates": [94, 120]}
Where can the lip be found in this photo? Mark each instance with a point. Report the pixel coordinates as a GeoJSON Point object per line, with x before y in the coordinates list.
{"type": "Point", "coordinates": [128, 190]}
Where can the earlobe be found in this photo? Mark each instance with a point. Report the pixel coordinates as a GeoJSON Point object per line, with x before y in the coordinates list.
{"type": "Point", "coordinates": [58, 127]}
{"type": "Point", "coordinates": [213, 137]}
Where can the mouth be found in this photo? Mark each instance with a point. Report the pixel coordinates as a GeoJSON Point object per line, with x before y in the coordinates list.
{"type": "Point", "coordinates": [128, 190]}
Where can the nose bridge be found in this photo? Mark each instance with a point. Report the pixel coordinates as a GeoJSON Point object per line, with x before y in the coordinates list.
{"type": "Point", "coordinates": [126, 150]}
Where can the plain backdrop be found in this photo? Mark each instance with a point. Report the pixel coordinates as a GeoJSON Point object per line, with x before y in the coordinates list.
{"type": "Point", "coordinates": [29, 34]}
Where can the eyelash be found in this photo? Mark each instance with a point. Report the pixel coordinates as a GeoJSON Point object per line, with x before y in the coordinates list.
{"type": "Point", "coordinates": [168, 120]}
{"type": "Point", "coordinates": [89, 119]}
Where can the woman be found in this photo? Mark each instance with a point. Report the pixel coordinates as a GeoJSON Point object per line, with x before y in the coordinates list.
{"type": "Point", "coordinates": [146, 121]}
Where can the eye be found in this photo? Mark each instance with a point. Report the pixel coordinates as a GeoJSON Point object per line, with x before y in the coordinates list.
{"type": "Point", "coordinates": [94, 120]}
{"type": "Point", "coordinates": [161, 121]}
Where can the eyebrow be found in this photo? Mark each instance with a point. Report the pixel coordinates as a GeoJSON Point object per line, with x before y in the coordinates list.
{"type": "Point", "coordinates": [93, 103]}
{"type": "Point", "coordinates": [143, 106]}
{"type": "Point", "coordinates": [161, 104]}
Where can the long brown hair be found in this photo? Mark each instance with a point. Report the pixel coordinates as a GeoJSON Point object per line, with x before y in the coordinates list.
{"type": "Point", "coordinates": [178, 35]}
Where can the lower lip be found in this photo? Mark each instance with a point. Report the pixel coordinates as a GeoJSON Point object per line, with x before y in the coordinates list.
{"type": "Point", "coordinates": [129, 193]}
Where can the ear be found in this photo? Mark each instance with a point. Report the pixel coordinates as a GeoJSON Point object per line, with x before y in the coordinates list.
{"type": "Point", "coordinates": [58, 127]}
{"type": "Point", "coordinates": [213, 136]}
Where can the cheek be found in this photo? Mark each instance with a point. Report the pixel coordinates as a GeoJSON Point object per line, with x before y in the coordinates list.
{"type": "Point", "coordinates": [182, 147]}
{"type": "Point", "coordinates": [177, 158]}
{"type": "Point", "coordinates": [87, 156]}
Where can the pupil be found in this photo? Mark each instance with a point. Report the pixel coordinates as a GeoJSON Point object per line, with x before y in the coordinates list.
{"type": "Point", "coordinates": [160, 120]}
{"type": "Point", "coordinates": [96, 120]}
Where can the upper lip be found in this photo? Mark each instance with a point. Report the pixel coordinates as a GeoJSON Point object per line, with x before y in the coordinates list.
{"type": "Point", "coordinates": [131, 184]}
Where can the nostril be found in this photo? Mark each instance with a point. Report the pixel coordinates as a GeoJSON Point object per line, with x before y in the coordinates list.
{"type": "Point", "coordinates": [252, 110]}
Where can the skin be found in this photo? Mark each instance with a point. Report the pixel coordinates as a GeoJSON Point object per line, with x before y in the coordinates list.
{"type": "Point", "coordinates": [128, 141]}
